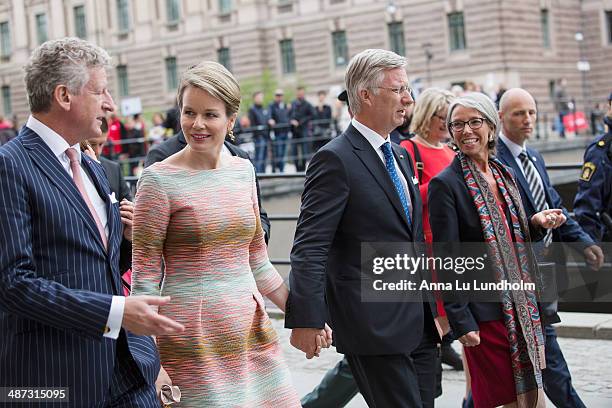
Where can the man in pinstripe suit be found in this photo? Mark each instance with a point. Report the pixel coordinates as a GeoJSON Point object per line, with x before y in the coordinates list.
{"type": "Point", "coordinates": [63, 321]}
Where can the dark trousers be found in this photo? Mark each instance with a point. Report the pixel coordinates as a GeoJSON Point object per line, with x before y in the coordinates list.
{"type": "Point", "coordinates": [261, 153]}
{"type": "Point", "coordinates": [386, 381]}
{"type": "Point", "coordinates": [128, 388]}
{"type": "Point", "coordinates": [338, 386]}
{"type": "Point", "coordinates": [279, 148]}
{"type": "Point", "coordinates": [426, 359]}
{"type": "Point", "coordinates": [300, 147]}
{"type": "Point", "coordinates": [556, 376]}
{"type": "Point", "coordinates": [336, 389]}
{"type": "Point", "coordinates": [561, 128]}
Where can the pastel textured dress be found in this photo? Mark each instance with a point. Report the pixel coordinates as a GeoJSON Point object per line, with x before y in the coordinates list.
{"type": "Point", "coordinates": [205, 225]}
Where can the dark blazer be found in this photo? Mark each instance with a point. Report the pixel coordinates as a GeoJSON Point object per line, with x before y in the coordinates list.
{"type": "Point", "coordinates": [258, 118]}
{"type": "Point", "coordinates": [454, 219]}
{"type": "Point", "coordinates": [279, 111]}
{"type": "Point", "coordinates": [56, 278]}
{"type": "Point", "coordinates": [115, 179]}
{"type": "Point", "coordinates": [568, 232]}
{"type": "Point", "coordinates": [323, 114]}
{"type": "Point", "coordinates": [121, 190]}
{"type": "Point", "coordinates": [302, 111]}
{"type": "Point", "coordinates": [349, 199]}
{"type": "Point", "coordinates": [178, 142]}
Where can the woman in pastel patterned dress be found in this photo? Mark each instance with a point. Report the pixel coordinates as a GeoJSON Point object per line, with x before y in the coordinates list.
{"type": "Point", "coordinates": [197, 210]}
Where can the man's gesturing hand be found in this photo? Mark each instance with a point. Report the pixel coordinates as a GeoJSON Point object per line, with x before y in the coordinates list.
{"type": "Point", "coordinates": [140, 318]}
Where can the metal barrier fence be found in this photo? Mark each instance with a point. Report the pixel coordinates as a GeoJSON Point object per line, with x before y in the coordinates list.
{"type": "Point", "coordinates": [247, 137]}
{"type": "Point", "coordinates": [300, 175]}
{"type": "Point", "coordinates": [279, 139]}
{"type": "Point", "coordinates": [294, 217]}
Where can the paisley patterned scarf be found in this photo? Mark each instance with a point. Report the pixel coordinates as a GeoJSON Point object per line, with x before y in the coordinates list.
{"type": "Point", "coordinates": [512, 263]}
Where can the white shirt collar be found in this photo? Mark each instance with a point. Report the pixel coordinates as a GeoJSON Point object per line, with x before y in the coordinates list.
{"type": "Point", "coordinates": [514, 148]}
{"type": "Point", "coordinates": [56, 143]}
{"type": "Point", "coordinates": [371, 136]}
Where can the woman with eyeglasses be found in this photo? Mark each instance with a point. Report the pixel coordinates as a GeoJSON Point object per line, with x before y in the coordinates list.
{"type": "Point", "coordinates": [476, 200]}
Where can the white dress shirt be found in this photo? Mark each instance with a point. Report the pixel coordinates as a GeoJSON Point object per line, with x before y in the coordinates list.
{"type": "Point", "coordinates": [58, 146]}
{"type": "Point", "coordinates": [377, 141]}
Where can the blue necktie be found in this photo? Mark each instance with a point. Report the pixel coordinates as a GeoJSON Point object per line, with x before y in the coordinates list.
{"type": "Point", "coordinates": [390, 164]}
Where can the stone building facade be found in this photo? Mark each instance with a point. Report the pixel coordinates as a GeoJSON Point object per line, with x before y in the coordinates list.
{"type": "Point", "coordinates": [528, 43]}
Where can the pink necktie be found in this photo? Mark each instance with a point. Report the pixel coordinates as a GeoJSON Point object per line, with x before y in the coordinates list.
{"type": "Point", "coordinates": [78, 180]}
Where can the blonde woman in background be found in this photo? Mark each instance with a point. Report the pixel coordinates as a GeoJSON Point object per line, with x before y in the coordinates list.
{"type": "Point", "coordinates": [429, 143]}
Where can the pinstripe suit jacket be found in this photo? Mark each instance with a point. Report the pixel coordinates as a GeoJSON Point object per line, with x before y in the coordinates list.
{"type": "Point", "coordinates": [56, 278]}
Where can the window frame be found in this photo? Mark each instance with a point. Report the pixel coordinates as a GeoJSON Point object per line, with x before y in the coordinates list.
{"type": "Point", "coordinates": [545, 28]}
{"type": "Point", "coordinates": [287, 52]}
{"type": "Point", "coordinates": [395, 36]}
{"type": "Point", "coordinates": [340, 48]}
{"type": "Point", "coordinates": [456, 31]}
{"type": "Point", "coordinates": [42, 27]}
{"type": "Point", "coordinates": [6, 45]}
{"type": "Point", "coordinates": [7, 102]}
{"type": "Point", "coordinates": [123, 16]}
{"type": "Point", "coordinates": [172, 79]}
{"type": "Point", "coordinates": [608, 17]}
{"type": "Point", "coordinates": [123, 83]}
{"type": "Point", "coordinates": [224, 57]}
{"type": "Point", "coordinates": [225, 7]}
{"type": "Point", "coordinates": [173, 12]}
{"type": "Point", "coordinates": [80, 21]}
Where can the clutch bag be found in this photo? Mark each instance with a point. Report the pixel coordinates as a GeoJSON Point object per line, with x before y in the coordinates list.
{"type": "Point", "coordinates": [169, 395]}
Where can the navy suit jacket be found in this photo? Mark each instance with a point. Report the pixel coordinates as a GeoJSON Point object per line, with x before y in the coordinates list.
{"type": "Point", "coordinates": [57, 279]}
{"type": "Point", "coordinates": [568, 232]}
{"type": "Point", "coordinates": [349, 199]}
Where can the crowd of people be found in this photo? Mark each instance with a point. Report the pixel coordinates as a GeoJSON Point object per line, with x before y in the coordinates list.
{"type": "Point", "coordinates": [273, 135]}
{"type": "Point", "coordinates": [161, 300]}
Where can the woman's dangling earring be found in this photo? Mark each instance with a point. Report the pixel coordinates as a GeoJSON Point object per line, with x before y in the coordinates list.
{"type": "Point", "coordinates": [230, 134]}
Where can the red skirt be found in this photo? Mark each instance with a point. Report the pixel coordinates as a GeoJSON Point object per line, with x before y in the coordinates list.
{"type": "Point", "coordinates": [490, 367]}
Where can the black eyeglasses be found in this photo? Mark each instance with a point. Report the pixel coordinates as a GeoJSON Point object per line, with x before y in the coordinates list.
{"type": "Point", "coordinates": [457, 126]}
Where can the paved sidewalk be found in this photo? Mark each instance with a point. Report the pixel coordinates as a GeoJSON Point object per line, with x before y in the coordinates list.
{"type": "Point", "coordinates": [585, 326]}
{"type": "Point", "coordinates": [589, 361]}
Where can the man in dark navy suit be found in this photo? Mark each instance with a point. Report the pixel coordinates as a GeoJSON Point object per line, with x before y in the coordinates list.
{"type": "Point", "coordinates": [360, 188]}
{"type": "Point", "coordinates": [63, 320]}
{"type": "Point", "coordinates": [518, 117]}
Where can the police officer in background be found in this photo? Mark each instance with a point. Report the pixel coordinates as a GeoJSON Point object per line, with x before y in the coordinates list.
{"type": "Point", "coordinates": [593, 203]}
